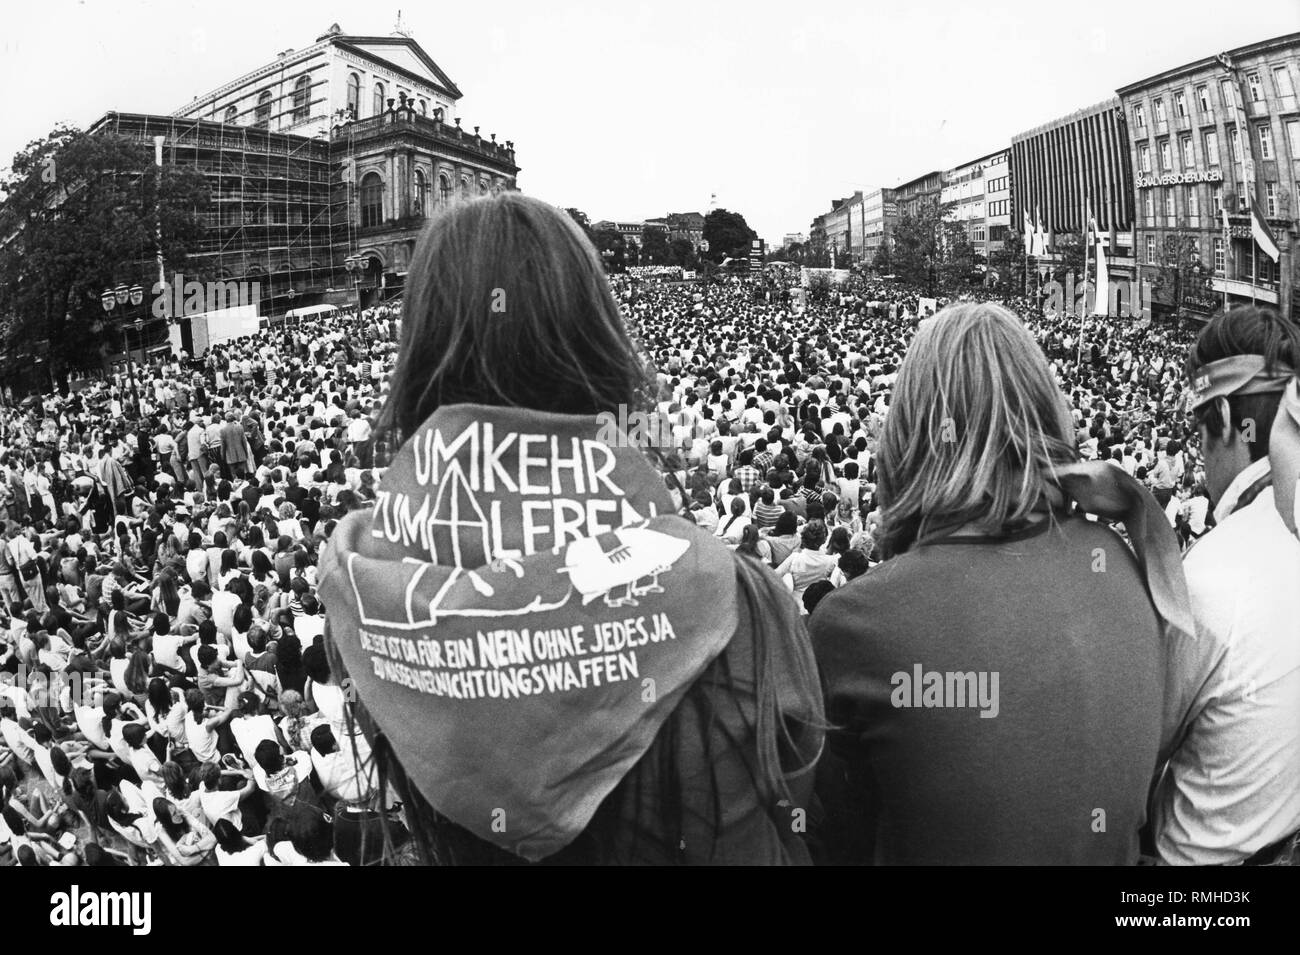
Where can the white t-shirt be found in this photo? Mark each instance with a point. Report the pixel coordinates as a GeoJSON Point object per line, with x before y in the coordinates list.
{"type": "Point", "coordinates": [221, 804]}
{"type": "Point", "coordinates": [224, 604]}
{"type": "Point", "coordinates": [1233, 785]}
{"type": "Point", "coordinates": [203, 742]}
{"type": "Point", "coordinates": [251, 730]}
{"type": "Point", "coordinates": [166, 650]}
{"type": "Point", "coordinates": [251, 856]}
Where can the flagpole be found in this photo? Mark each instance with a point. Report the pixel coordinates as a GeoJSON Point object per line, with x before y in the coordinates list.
{"type": "Point", "coordinates": [1254, 264]}
{"type": "Point", "coordinates": [1083, 232]}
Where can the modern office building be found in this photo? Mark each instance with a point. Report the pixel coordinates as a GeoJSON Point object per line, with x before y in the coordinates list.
{"type": "Point", "coordinates": [1208, 135]}
{"type": "Point", "coordinates": [1063, 169]}
{"type": "Point", "coordinates": [880, 215]}
{"type": "Point", "coordinates": [979, 193]}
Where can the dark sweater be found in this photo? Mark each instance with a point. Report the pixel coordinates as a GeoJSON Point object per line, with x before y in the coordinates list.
{"type": "Point", "coordinates": [1078, 654]}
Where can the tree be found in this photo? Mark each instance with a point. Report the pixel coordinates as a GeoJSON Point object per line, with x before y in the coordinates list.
{"type": "Point", "coordinates": [1069, 258]}
{"type": "Point", "coordinates": [84, 212]}
{"type": "Point", "coordinates": [580, 217]}
{"type": "Point", "coordinates": [1009, 262]}
{"type": "Point", "coordinates": [958, 257]}
{"type": "Point", "coordinates": [882, 263]}
{"type": "Point", "coordinates": [612, 248]}
{"type": "Point", "coordinates": [654, 247]}
{"type": "Point", "coordinates": [728, 234]}
{"type": "Point", "coordinates": [681, 253]}
{"type": "Point", "coordinates": [918, 245]}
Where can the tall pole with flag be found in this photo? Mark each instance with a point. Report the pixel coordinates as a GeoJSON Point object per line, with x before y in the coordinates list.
{"type": "Point", "coordinates": [1101, 297]}
{"type": "Point", "coordinates": [1084, 216]}
{"type": "Point", "coordinates": [1227, 251]}
{"type": "Point", "coordinates": [1029, 241]}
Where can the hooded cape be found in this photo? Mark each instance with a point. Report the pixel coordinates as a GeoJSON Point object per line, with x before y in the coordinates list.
{"type": "Point", "coordinates": [520, 612]}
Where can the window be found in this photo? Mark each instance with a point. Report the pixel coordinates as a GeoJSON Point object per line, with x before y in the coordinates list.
{"type": "Point", "coordinates": [1185, 147]}
{"type": "Point", "coordinates": [1166, 156]}
{"type": "Point", "coordinates": [1212, 148]}
{"type": "Point", "coordinates": [1139, 116]}
{"type": "Point", "coordinates": [1194, 249]}
{"type": "Point", "coordinates": [979, 233]}
{"type": "Point", "coordinates": [1160, 111]}
{"type": "Point", "coordinates": [482, 187]}
{"type": "Point", "coordinates": [1219, 254]}
{"type": "Point", "coordinates": [424, 108]}
{"type": "Point", "coordinates": [301, 99]}
{"type": "Point", "coordinates": [354, 95]}
{"type": "Point", "coordinates": [1169, 203]}
{"type": "Point", "coordinates": [232, 114]}
{"type": "Point", "coordinates": [1193, 201]}
{"type": "Point", "coordinates": [1266, 141]}
{"type": "Point", "coordinates": [1282, 80]}
{"type": "Point", "coordinates": [378, 99]}
{"type": "Point", "coordinates": [1180, 104]}
{"type": "Point", "coordinates": [464, 187]}
{"type": "Point", "coordinates": [262, 117]}
{"type": "Point", "coordinates": [421, 193]}
{"type": "Point", "coordinates": [1225, 93]}
{"type": "Point", "coordinates": [1217, 197]}
{"type": "Point", "coordinates": [372, 200]}
{"type": "Point", "coordinates": [1241, 197]}
{"type": "Point", "coordinates": [1270, 199]}
{"type": "Point", "coordinates": [1203, 98]}
{"type": "Point", "coordinates": [1144, 158]}
{"type": "Point", "coordinates": [1151, 250]}
{"type": "Point", "coordinates": [1255, 86]}
{"type": "Point", "coordinates": [1234, 144]}
{"type": "Point", "coordinates": [1293, 137]}
{"type": "Point", "coordinates": [1150, 206]}
{"type": "Point", "coordinates": [1265, 265]}
{"type": "Point", "coordinates": [444, 189]}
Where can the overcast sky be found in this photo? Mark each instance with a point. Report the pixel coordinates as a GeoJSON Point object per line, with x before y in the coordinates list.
{"type": "Point", "coordinates": [631, 110]}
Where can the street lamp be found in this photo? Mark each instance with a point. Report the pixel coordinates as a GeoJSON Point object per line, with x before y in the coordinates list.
{"type": "Point", "coordinates": [117, 298]}
{"type": "Point", "coordinates": [355, 264]}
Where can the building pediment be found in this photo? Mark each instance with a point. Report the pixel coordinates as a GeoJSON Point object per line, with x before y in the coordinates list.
{"type": "Point", "coordinates": [402, 55]}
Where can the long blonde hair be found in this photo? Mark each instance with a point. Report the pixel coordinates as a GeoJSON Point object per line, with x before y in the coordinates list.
{"type": "Point", "coordinates": [975, 430]}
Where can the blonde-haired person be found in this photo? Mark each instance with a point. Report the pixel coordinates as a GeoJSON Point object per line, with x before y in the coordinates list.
{"type": "Point", "coordinates": [998, 681]}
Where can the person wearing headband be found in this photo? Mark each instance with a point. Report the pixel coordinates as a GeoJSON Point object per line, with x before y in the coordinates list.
{"type": "Point", "coordinates": [1284, 457]}
{"type": "Point", "coordinates": [1230, 790]}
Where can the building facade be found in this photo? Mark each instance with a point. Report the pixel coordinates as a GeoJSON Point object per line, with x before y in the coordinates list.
{"type": "Point", "coordinates": [979, 192]}
{"type": "Point", "coordinates": [338, 77]}
{"type": "Point", "coordinates": [320, 197]}
{"type": "Point", "coordinates": [688, 226]}
{"type": "Point", "coordinates": [1205, 137]}
{"type": "Point", "coordinates": [1064, 168]}
{"type": "Point", "coordinates": [924, 190]}
{"type": "Point", "coordinates": [836, 229]}
{"type": "Point", "coordinates": [880, 215]}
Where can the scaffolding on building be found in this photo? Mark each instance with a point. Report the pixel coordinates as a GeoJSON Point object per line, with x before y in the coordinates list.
{"type": "Point", "coordinates": [271, 218]}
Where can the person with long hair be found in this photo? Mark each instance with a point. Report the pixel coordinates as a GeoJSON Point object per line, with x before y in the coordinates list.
{"type": "Point", "coordinates": [513, 369]}
{"type": "Point", "coordinates": [183, 836]}
{"type": "Point", "coordinates": [995, 583]}
{"type": "Point", "coordinates": [234, 848]}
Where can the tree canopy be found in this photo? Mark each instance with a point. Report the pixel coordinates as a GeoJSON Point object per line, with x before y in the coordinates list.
{"type": "Point", "coordinates": [83, 213]}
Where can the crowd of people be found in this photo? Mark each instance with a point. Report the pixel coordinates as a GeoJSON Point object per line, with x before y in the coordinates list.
{"type": "Point", "coordinates": [166, 693]}
{"type": "Point", "coordinates": [1124, 689]}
